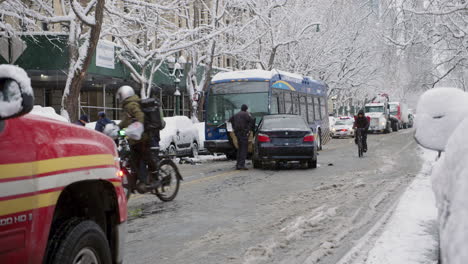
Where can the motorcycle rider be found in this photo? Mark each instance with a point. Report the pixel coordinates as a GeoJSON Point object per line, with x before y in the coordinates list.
{"type": "Point", "coordinates": [140, 150]}
{"type": "Point", "coordinates": [361, 121]}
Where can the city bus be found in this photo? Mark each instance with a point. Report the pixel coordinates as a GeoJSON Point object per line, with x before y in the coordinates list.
{"type": "Point", "coordinates": [264, 92]}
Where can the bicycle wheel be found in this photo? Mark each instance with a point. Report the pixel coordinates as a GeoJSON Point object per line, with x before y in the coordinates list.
{"type": "Point", "coordinates": [170, 181]}
{"type": "Point", "coordinates": [360, 147]}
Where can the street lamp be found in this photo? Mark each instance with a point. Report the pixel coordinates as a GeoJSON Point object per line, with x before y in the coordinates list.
{"type": "Point", "coordinates": [176, 71]}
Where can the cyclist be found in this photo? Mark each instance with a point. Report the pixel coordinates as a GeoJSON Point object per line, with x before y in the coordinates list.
{"type": "Point", "coordinates": [140, 150]}
{"type": "Point", "coordinates": [361, 121]}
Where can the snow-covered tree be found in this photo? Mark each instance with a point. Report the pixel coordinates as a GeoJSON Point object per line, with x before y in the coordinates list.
{"type": "Point", "coordinates": [82, 24]}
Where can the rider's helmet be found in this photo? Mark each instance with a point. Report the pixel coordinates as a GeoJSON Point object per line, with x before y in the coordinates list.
{"type": "Point", "coordinates": [361, 112]}
{"type": "Point", "coordinates": [124, 92]}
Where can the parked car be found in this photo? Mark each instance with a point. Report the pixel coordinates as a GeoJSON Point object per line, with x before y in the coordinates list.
{"type": "Point", "coordinates": [180, 137]}
{"type": "Point", "coordinates": [61, 196]}
{"type": "Point", "coordinates": [284, 138]}
{"type": "Point", "coordinates": [343, 128]}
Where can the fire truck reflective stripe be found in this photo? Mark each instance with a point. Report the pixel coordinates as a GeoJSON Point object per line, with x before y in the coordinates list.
{"type": "Point", "coordinates": [28, 203]}
{"type": "Point", "coordinates": [16, 170]}
{"type": "Point", "coordinates": [57, 180]}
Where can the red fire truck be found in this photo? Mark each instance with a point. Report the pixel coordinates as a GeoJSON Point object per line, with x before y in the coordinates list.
{"type": "Point", "coordinates": [61, 199]}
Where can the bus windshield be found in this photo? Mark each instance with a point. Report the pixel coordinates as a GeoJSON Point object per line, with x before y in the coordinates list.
{"type": "Point", "coordinates": [374, 109]}
{"type": "Point", "coordinates": [226, 99]}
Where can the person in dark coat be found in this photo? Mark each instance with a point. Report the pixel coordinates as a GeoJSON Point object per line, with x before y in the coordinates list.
{"type": "Point", "coordinates": [102, 122]}
{"type": "Point", "coordinates": [242, 123]}
{"type": "Point", "coordinates": [82, 121]}
{"type": "Point", "coordinates": [361, 121]}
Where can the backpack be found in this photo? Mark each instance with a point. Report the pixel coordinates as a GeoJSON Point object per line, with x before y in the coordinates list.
{"type": "Point", "coordinates": [154, 119]}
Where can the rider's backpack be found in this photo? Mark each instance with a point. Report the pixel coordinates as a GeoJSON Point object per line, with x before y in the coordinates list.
{"type": "Point", "coordinates": [153, 116]}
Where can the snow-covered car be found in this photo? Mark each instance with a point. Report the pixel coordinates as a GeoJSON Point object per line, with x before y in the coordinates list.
{"type": "Point", "coordinates": [441, 125]}
{"type": "Point", "coordinates": [343, 128]}
{"type": "Point", "coordinates": [179, 137]}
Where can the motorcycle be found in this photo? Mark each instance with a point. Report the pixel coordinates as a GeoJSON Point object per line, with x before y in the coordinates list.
{"type": "Point", "coordinates": [164, 184]}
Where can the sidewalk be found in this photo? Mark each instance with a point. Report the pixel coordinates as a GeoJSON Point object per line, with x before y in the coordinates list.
{"type": "Point", "coordinates": [410, 235]}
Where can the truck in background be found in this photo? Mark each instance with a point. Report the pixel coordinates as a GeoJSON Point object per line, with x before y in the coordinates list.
{"type": "Point", "coordinates": [400, 111]}
{"type": "Point", "coordinates": [379, 112]}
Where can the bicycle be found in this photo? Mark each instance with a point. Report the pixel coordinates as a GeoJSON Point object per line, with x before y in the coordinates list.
{"type": "Point", "coordinates": [359, 139]}
{"type": "Point", "coordinates": [164, 184]}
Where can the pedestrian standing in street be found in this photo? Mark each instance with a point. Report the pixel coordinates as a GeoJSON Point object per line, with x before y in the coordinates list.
{"type": "Point", "coordinates": [242, 123]}
{"type": "Point", "coordinates": [82, 121]}
{"type": "Point", "coordinates": [102, 122]}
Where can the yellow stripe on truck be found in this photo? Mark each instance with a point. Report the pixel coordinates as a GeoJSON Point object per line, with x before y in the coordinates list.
{"type": "Point", "coordinates": [15, 170]}
{"type": "Point", "coordinates": [28, 203]}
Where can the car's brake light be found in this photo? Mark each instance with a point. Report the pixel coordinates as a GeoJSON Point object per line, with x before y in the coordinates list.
{"type": "Point", "coordinates": [263, 138]}
{"type": "Point", "coordinates": [309, 138]}
{"type": "Point", "coordinates": [344, 130]}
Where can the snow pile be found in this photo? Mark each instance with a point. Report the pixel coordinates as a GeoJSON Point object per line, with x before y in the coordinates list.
{"type": "Point", "coordinates": [450, 181]}
{"type": "Point", "coordinates": [13, 103]}
{"type": "Point", "coordinates": [407, 237]}
{"type": "Point", "coordinates": [442, 124]}
{"type": "Point", "coordinates": [47, 112]}
{"type": "Point", "coordinates": [439, 113]}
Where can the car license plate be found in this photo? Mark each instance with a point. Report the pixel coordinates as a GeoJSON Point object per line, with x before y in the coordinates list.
{"type": "Point", "coordinates": [222, 130]}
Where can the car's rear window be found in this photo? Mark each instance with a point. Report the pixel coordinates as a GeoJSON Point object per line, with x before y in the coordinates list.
{"type": "Point", "coordinates": [294, 123]}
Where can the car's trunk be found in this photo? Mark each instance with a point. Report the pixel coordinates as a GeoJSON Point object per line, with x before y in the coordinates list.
{"type": "Point", "coordinates": [286, 137]}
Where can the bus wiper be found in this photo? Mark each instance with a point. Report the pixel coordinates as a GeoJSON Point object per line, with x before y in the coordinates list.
{"type": "Point", "coordinates": [221, 125]}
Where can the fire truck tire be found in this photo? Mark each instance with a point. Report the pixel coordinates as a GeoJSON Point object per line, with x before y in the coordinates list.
{"type": "Point", "coordinates": [79, 241]}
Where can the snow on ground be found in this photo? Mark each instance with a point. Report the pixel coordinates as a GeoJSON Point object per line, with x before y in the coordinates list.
{"type": "Point", "coordinates": [47, 112]}
{"type": "Point", "coordinates": [409, 236]}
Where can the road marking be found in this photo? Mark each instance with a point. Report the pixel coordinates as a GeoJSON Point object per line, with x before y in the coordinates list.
{"type": "Point", "coordinates": [137, 196]}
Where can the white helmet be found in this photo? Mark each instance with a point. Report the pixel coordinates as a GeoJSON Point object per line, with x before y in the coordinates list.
{"type": "Point", "coordinates": [124, 92]}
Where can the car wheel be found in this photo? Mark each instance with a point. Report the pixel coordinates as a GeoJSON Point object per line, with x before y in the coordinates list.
{"type": "Point", "coordinates": [79, 241]}
{"type": "Point", "coordinates": [194, 150]}
{"type": "Point", "coordinates": [312, 163]}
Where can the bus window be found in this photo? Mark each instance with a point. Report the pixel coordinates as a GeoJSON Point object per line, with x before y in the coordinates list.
{"type": "Point", "coordinates": [274, 104]}
{"type": "Point", "coordinates": [317, 108]}
{"type": "Point", "coordinates": [323, 108]}
{"type": "Point", "coordinates": [279, 96]}
{"type": "Point", "coordinates": [288, 103]}
{"type": "Point", "coordinates": [310, 106]}
{"type": "Point", "coordinates": [296, 106]}
{"type": "Point", "coordinates": [303, 104]}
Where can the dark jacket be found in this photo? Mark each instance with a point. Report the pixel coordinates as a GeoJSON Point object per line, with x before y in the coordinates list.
{"type": "Point", "coordinates": [132, 113]}
{"type": "Point", "coordinates": [242, 122]}
{"type": "Point", "coordinates": [361, 122]}
{"type": "Point", "coordinates": [101, 124]}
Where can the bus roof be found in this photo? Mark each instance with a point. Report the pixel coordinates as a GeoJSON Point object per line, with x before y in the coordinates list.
{"type": "Point", "coordinates": [259, 75]}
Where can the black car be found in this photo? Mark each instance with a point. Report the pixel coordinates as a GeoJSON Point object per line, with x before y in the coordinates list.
{"type": "Point", "coordinates": [284, 138]}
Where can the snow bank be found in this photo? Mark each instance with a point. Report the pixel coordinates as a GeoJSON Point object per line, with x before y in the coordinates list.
{"type": "Point", "coordinates": [441, 124]}
{"type": "Point", "coordinates": [14, 104]}
{"type": "Point", "coordinates": [407, 237]}
{"type": "Point", "coordinates": [439, 112]}
{"type": "Point", "coordinates": [450, 181]}
{"type": "Point", "coordinates": [47, 112]}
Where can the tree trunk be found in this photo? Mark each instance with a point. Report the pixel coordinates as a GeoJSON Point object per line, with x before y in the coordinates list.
{"type": "Point", "coordinates": [71, 102]}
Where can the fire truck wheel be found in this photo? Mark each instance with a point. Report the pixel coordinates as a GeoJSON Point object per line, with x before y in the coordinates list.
{"type": "Point", "coordinates": [80, 242]}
